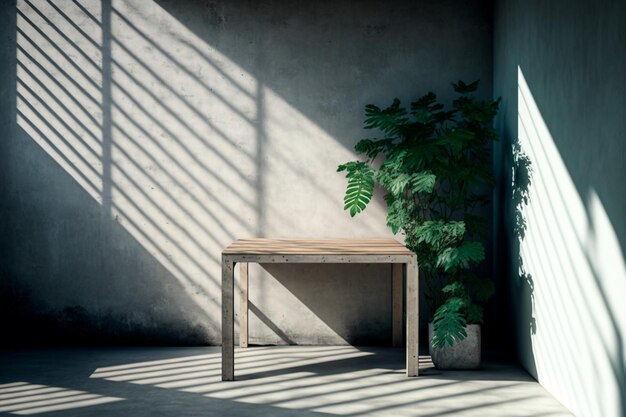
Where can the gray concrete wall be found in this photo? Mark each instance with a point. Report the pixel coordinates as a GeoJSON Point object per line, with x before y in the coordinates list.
{"type": "Point", "coordinates": [143, 137]}
{"type": "Point", "coordinates": [561, 226]}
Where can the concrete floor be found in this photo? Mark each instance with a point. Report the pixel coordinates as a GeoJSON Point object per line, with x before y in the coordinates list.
{"type": "Point", "coordinates": [271, 381]}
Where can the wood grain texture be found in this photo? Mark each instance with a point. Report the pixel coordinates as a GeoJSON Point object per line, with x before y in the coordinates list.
{"type": "Point", "coordinates": [243, 305]}
{"type": "Point", "coordinates": [321, 259]}
{"type": "Point", "coordinates": [262, 246]}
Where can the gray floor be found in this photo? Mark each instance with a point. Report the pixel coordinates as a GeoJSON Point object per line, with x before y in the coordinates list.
{"type": "Point", "coordinates": [271, 381]}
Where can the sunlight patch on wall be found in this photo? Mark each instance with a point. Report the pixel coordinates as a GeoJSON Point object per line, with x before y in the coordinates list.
{"type": "Point", "coordinates": [183, 183]}
{"type": "Point", "coordinates": [303, 183]}
{"type": "Point", "coordinates": [574, 259]}
{"type": "Point", "coordinates": [178, 144]}
{"type": "Point", "coordinates": [59, 88]}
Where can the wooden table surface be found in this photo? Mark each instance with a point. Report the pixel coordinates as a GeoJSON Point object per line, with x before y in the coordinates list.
{"type": "Point", "coordinates": [262, 246]}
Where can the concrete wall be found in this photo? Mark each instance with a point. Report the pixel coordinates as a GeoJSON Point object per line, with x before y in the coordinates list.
{"type": "Point", "coordinates": [143, 137]}
{"type": "Point", "coordinates": [561, 207]}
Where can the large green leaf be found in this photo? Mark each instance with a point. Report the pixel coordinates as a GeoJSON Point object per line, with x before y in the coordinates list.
{"type": "Point", "coordinates": [455, 289]}
{"type": "Point", "coordinates": [360, 186]}
{"type": "Point", "coordinates": [391, 176]}
{"type": "Point", "coordinates": [372, 147]}
{"type": "Point", "coordinates": [421, 155]}
{"type": "Point", "coordinates": [398, 184]}
{"type": "Point", "coordinates": [398, 212]}
{"type": "Point", "coordinates": [439, 233]}
{"type": "Point", "coordinates": [425, 102]}
{"type": "Point", "coordinates": [390, 120]}
{"type": "Point", "coordinates": [423, 182]}
{"type": "Point", "coordinates": [456, 139]}
{"type": "Point", "coordinates": [469, 253]}
{"type": "Point", "coordinates": [449, 323]}
{"type": "Point", "coordinates": [463, 88]}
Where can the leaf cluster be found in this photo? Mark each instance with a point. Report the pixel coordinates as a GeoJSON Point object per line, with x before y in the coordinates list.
{"type": "Point", "coordinates": [436, 173]}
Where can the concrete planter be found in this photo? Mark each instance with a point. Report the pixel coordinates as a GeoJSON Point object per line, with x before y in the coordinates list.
{"type": "Point", "coordinates": [462, 355]}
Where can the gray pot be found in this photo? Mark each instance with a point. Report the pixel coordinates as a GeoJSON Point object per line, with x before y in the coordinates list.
{"type": "Point", "coordinates": [464, 354]}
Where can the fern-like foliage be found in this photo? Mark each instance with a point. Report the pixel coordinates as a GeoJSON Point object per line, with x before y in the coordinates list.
{"type": "Point", "coordinates": [449, 322]}
{"type": "Point", "coordinates": [423, 182]}
{"type": "Point", "coordinates": [372, 147]}
{"type": "Point", "coordinates": [463, 256]}
{"type": "Point", "coordinates": [434, 164]}
{"type": "Point", "coordinates": [391, 120]}
{"type": "Point", "coordinates": [440, 233]}
{"type": "Point", "coordinates": [360, 186]}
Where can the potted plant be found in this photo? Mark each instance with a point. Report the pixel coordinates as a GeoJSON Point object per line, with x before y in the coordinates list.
{"type": "Point", "coordinates": [434, 164]}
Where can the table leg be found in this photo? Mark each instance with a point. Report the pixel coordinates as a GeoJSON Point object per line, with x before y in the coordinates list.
{"type": "Point", "coordinates": [412, 319]}
{"type": "Point", "coordinates": [396, 305]}
{"type": "Point", "coordinates": [228, 320]}
{"type": "Point", "coordinates": [243, 305]}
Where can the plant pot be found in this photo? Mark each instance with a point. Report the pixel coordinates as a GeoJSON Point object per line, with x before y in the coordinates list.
{"type": "Point", "coordinates": [464, 354]}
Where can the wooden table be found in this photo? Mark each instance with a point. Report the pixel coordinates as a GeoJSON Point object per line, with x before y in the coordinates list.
{"type": "Point", "coordinates": [243, 251]}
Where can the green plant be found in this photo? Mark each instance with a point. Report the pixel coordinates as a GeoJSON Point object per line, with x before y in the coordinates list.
{"type": "Point", "coordinates": [434, 164]}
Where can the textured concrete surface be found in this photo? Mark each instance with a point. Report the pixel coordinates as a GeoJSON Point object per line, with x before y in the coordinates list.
{"type": "Point", "coordinates": [559, 68]}
{"type": "Point", "coordinates": [140, 138]}
{"type": "Point", "coordinates": [464, 354]}
{"type": "Point", "coordinates": [275, 381]}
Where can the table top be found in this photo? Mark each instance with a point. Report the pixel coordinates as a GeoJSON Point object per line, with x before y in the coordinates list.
{"type": "Point", "coordinates": [264, 246]}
